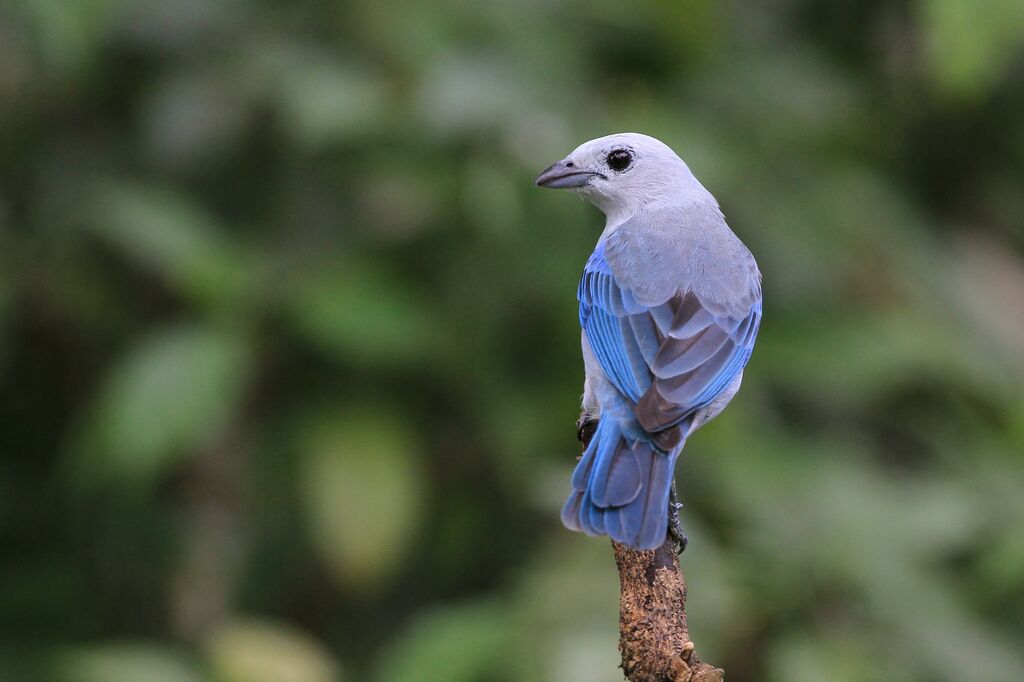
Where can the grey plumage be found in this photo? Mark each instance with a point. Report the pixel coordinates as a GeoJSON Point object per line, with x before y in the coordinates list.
{"type": "Point", "coordinates": [670, 305]}
{"type": "Point", "coordinates": [659, 253]}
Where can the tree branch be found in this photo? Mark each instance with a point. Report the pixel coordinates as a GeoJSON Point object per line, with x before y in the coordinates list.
{"type": "Point", "coordinates": [654, 640]}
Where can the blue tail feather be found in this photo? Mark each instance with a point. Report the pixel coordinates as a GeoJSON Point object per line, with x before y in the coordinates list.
{"type": "Point", "coordinates": [621, 488]}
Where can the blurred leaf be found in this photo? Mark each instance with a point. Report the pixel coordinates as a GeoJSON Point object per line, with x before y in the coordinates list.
{"type": "Point", "coordinates": [179, 26]}
{"type": "Point", "coordinates": [987, 278]}
{"type": "Point", "coordinates": [193, 118]}
{"type": "Point", "coordinates": [165, 232]}
{"type": "Point", "coordinates": [264, 651]}
{"type": "Point", "coordinates": [863, 356]}
{"type": "Point", "coordinates": [396, 203]}
{"type": "Point", "coordinates": [971, 44]}
{"type": "Point", "coordinates": [583, 656]}
{"type": "Point", "coordinates": [322, 99]}
{"type": "Point", "coordinates": [567, 599]}
{"type": "Point", "coordinates": [1002, 563]}
{"type": "Point", "coordinates": [168, 396]}
{"type": "Point", "coordinates": [363, 490]}
{"type": "Point", "coordinates": [828, 655]}
{"type": "Point", "coordinates": [124, 662]}
{"type": "Point", "coordinates": [467, 643]}
{"type": "Point", "coordinates": [802, 99]}
{"type": "Point", "coordinates": [469, 93]}
{"type": "Point", "coordinates": [70, 33]}
{"type": "Point", "coordinates": [363, 314]}
{"type": "Point", "coordinates": [490, 197]}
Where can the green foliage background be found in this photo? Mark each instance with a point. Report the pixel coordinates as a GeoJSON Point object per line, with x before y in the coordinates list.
{"type": "Point", "coordinates": [289, 355]}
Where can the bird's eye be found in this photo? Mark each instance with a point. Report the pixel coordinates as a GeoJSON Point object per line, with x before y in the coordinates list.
{"type": "Point", "coordinates": [619, 159]}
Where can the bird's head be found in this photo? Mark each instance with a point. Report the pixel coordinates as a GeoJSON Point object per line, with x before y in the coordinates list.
{"type": "Point", "coordinates": [622, 173]}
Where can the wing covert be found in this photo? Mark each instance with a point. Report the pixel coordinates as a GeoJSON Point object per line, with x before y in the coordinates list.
{"type": "Point", "coordinates": [669, 360]}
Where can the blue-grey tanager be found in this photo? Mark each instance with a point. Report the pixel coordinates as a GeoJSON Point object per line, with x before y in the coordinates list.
{"type": "Point", "coordinates": [670, 304]}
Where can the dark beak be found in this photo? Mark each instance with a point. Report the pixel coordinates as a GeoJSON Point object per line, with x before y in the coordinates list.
{"type": "Point", "coordinates": [563, 175]}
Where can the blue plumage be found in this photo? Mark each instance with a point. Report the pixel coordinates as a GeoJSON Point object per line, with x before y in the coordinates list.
{"type": "Point", "coordinates": [712, 351]}
{"type": "Point", "coordinates": [621, 489]}
{"type": "Point", "coordinates": [670, 306]}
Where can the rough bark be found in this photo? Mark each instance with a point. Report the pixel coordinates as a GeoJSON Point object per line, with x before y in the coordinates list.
{"type": "Point", "coordinates": [654, 640]}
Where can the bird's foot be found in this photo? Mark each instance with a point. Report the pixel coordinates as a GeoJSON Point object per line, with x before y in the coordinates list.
{"type": "Point", "coordinates": [675, 528]}
{"type": "Point", "coordinates": [585, 427]}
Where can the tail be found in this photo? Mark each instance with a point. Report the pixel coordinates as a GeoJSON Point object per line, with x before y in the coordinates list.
{"type": "Point", "coordinates": [621, 488]}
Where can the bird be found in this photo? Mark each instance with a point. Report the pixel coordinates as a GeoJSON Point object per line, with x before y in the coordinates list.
{"type": "Point", "coordinates": [669, 308]}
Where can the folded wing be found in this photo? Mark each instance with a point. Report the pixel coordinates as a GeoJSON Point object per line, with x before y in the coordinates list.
{"type": "Point", "coordinates": [669, 359]}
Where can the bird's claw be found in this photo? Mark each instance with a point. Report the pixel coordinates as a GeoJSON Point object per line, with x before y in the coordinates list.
{"type": "Point", "coordinates": [675, 528]}
{"type": "Point", "coordinates": [585, 428]}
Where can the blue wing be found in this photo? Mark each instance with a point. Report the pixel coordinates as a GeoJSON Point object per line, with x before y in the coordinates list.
{"type": "Point", "coordinates": [669, 360]}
